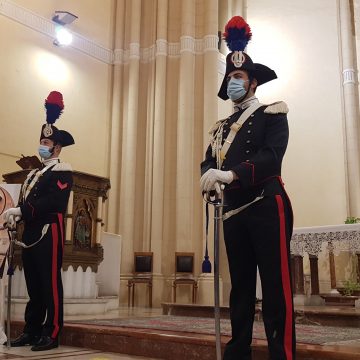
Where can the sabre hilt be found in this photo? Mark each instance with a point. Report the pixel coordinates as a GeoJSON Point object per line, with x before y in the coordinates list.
{"type": "Point", "coordinates": [213, 197]}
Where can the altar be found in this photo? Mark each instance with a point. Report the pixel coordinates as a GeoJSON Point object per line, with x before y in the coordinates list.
{"type": "Point", "coordinates": [312, 241]}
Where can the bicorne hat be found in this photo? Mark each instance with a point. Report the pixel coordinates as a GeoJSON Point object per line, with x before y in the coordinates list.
{"type": "Point", "coordinates": [237, 35]}
{"type": "Point", "coordinates": [54, 105]}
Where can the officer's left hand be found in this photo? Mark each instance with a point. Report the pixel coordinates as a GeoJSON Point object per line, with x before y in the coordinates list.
{"type": "Point", "coordinates": [211, 179]}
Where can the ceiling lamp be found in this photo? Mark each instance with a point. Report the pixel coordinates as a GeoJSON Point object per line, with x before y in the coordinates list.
{"type": "Point", "coordinates": [63, 35]}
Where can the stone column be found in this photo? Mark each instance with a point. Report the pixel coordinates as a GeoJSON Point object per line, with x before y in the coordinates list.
{"type": "Point", "coordinates": [315, 299]}
{"type": "Point", "coordinates": [314, 273]}
{"type": "Point", "coordinates": [332, 272]}
{"type": "Point", "coordinates": [128, 176]}
{"type": "Point", "coordinates": [206, 281]}
{"type": "Point", "coordinates": [158, 152]}
{"type": "Point", "coordinates": [115, 130]}
{"type": "Point", "coordinates": [299, 275]}
{"type": "Point", "coordinates": [185, 126]}
{"type": "Point", "coordinates": [351, 106]}
{"type": "Point", "coordinates": [297, 278]}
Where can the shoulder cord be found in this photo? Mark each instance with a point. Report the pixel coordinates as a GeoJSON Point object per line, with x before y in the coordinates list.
{"type": "Point", "coordinates": [25, 192]}
{"type": "Point", "coordinates": [28, 188]}
{"type": "Point", "coordinates": [234, 128]}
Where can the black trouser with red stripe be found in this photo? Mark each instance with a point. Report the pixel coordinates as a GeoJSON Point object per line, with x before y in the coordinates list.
{"type": "Point", "coordinates": [260, 236]}
{"type": "Point", "coordinates": [42, 269]}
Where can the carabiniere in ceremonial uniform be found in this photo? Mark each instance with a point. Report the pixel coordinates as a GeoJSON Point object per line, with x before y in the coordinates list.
{"type": "Point", "coordinates": [42, 206]}
{"type": "Point", "coordinates": [245, 153]}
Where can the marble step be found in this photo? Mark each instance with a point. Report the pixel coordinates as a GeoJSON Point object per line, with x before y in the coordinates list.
{"type": "Point", "coordinates": [317, 315]}
{"type": "Point", "coordinates": [176, 345]}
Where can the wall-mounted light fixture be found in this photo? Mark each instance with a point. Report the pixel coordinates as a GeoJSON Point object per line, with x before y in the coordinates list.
{"type": "Point", "coordinates": [63, 35]}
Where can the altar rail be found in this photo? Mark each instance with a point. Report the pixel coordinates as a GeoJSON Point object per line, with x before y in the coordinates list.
{"type": "Point", "coordinates": [313, 240]}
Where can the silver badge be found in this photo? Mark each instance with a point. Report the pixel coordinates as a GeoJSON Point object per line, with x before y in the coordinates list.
{"type": "Point", "coordinates": [48, 131]}
{"type": "Point", "coordinates": [238, 58]}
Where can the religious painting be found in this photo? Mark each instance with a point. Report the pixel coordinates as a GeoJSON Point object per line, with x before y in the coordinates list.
{"type": "Point", "coordinates": [82, 229]}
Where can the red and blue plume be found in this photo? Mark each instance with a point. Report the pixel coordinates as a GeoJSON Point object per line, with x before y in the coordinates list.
{"type": "Point", "coordinates": [237, 34]}
{"type": "Point", "coordinates": [54, 105]}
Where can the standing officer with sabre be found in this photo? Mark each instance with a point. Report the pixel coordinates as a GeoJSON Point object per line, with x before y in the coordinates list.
{"type": "Point", "coordinates": [42, 207]}
{"type": "Point", "coordinates": [245, 154]}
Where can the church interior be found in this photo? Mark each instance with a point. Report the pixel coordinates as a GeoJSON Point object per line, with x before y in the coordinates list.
{"type": "Point", "coordinates": [140, 81]}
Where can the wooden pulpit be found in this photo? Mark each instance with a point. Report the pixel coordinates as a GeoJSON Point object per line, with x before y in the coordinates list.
{"type": "Point", "coordinates": [84, 219]}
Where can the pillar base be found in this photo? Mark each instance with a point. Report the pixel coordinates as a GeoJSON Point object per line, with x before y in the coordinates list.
{"type": "Point", "coordinates": [206, 289]}
{"type": "Point", "coordinates": [357, 303]}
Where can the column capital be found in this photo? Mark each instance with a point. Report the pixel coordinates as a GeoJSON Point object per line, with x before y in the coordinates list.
{"type": "Point", "coordinates": [348, 76]}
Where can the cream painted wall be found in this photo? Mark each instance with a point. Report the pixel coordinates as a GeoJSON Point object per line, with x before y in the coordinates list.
{"type": "Point", "coordinates": [30, 67]}
{"type": "Point", "coordinates": [307, 64]}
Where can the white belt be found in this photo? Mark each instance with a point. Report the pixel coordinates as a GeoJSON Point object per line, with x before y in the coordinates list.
{"type": "Point", "coordinates": [230, 213]}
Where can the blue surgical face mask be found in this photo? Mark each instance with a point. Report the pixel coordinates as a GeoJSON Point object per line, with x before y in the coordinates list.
{"type": "Point", "coordinates": [44, 151]}
{"type": "Point", "coordinates": [236, 89]}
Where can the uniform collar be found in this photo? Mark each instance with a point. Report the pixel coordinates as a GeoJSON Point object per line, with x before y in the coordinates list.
{"type": "Point", "coordinates": [246, 103]}
{"type": "Point", "coordinates": [50, 162]}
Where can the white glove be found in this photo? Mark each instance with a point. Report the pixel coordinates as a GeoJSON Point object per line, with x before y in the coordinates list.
{"type": "Point", "coordinates": [11, 216]}
{"type": "Point", "coordinates": [212, 179]}
{"type": "Point", "coordinates": [10, 223]}
{"type": "Point", "coordinates": [12, 211]}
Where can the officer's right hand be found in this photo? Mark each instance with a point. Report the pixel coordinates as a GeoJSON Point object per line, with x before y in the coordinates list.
{"type": "Point", "coordinates": [15, 211]}
{"type": "Point", "coordinates": [212, 179]}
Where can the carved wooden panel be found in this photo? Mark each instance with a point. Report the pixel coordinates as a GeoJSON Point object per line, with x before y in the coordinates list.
{"type": "Point", "coordinates": [83, 248]}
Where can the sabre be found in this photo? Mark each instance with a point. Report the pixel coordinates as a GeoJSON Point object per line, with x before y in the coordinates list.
{"type": "Point", "coordinates": [218, 204]}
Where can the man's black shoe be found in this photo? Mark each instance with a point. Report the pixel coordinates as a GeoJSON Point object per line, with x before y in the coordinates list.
{"type": "Point", "coordinates": [45, 343]}
{"type": "Point", "coordinates": [25, 339]}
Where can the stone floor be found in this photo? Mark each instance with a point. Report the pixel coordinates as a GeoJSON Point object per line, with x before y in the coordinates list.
{"type": "Point", "coordinates": [63, 352]}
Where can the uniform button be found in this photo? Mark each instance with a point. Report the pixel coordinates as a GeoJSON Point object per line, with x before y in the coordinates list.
{"type": "Point", "coordinates": [248, 141]}
{"type": "Point", "coordinates": [249, 131]}
{"type": "Point", "coordinates": [247, 151]}
{"type": "Point", "coordinates": [250, 123]}
{"type": "Point", "coordinates": [247, 160]}
{"type": "Point", "coordinates": [223, 167]}
{"type": "Point", "coordinates": [252, 115]}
